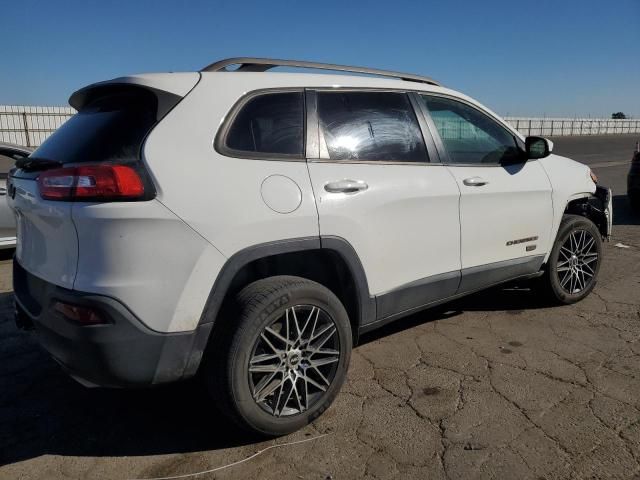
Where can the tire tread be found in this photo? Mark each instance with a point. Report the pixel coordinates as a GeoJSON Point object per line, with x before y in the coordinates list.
{"type": "Point", "coordinates": [550, 290]}
{"type": "Point", "coordinates": [247, 304]}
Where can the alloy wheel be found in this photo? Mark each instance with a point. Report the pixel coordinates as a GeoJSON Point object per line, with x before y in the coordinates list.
{"type": "Point", "coordinates": [577, 261]}
{"type": "Point", "coordinates": [294, 361]}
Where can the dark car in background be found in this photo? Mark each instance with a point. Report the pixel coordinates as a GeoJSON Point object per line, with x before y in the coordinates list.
{"type": "Point", "coordinates": [633, 180]}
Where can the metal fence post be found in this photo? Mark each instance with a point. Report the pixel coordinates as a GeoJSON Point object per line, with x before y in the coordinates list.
{"type": "Point", "coordinates": [26, 128]}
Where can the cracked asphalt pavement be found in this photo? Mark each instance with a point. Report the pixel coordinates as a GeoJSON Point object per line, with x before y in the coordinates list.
{"type": "Point", "coordinates": [496, 385]}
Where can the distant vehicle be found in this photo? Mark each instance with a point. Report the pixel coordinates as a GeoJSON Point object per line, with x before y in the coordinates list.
{"type": "Point", "coordinates": [249, 226]}
{"type": "Point", "coordinates": [9, 154]}
{"type": "Point", "coordinates": [633, 180]}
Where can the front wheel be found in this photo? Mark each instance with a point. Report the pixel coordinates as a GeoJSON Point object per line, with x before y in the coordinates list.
{"type": "Point", "coordinates": [574, 261]}
{"type": "Point", "coordinates": [283, 357]}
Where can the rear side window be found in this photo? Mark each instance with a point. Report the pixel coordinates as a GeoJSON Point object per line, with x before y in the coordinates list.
{"type": "Point", "coordinates": [374, 126]}
{"type": "Point", "coordinates": [269, 124]}
{"type": "Point", "coordinates": [109, 128]}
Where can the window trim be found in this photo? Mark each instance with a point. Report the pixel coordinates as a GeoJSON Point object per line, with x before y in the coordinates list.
{"type": "Point", "coordinates": [427, 138]}
{"type": "Point", "coordinates": [438, 154]}
{"type": "Point", "coordinates": [442, 150]}
{"type": "Point", "coordinates": [220, 141]}
{"type": "Point", "coordinates": [313, 125]}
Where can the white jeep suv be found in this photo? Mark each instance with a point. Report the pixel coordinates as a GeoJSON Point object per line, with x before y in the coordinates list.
{"type": "Point", "coordinates": [247, 226]}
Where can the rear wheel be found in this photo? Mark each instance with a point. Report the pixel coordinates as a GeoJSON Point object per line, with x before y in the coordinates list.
{"type": "Point", "coordinates": [574, 261]}
{"type": "Point", "coordinates": [283, 357]}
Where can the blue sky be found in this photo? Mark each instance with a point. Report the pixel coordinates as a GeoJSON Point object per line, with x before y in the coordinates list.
{"type": "Point", "coordinates": [562, 57]}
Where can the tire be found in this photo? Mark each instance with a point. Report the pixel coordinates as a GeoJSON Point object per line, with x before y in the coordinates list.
{"type": "Point", "coordinates": [580, 236]}
{"type": "Point", "coordinates": [239, 388]}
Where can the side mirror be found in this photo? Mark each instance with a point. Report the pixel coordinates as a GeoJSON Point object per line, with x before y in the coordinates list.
{"type": "Point", "coordinates": [538, 147]}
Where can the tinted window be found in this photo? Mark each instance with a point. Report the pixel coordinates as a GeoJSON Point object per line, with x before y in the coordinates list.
{"type": "Point", "coordinates": [272, 123]}
{"type": "Point", "coordinates": [112, 127]}
{"type": "Point", "coordinates": [469, 135]}
{"type": "Point", "coordinates": [370, 126]}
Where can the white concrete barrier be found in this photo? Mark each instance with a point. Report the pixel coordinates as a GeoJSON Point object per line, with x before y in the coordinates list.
{"type": "Point", "coordinates": [30, 126]}
{"type": "Point", "coordinates": [555, 127]}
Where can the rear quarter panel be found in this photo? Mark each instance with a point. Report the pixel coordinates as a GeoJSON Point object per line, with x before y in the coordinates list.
{"type": "Point", "coordinates": [219, 196]}
{"type": "Point", "coordinates": [143, 255]}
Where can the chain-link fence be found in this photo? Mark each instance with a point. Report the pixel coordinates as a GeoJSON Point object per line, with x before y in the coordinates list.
{"type": "Point", "coordinates": [556, 127]}
{"type": "Point", "coordinates": [30, 126]}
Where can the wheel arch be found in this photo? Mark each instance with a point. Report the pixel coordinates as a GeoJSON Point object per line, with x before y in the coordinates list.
{"type": "Point", "coordinates": [330, 261]}
{"type": "Point", "coordinates": [592, 206]}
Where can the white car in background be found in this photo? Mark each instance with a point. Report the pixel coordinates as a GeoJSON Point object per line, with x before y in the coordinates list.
{"type": "Point", "coordinates": [248, 226]}
{"type": "Point", "coordinates": [9, 154]}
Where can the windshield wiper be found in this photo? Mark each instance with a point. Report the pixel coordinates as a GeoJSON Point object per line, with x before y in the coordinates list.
{"type": "Point", "coordinates": [35, 163]}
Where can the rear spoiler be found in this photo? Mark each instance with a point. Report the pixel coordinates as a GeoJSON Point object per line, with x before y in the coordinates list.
{"type": "Point", "coordinates": [169, 88]}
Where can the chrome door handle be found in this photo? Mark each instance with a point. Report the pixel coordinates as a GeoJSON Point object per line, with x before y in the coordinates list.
{"type": "Point", "coordinates": [346, 186]}
{"type": "Point", "coordinates": [3, 191]}
{"type": "Point", "coordinates": [475, 181]}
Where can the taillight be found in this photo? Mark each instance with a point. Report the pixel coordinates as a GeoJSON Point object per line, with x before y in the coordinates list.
{"type": "Point", "coordinates": [79, 314]}
{"type": "Point", "coordinates": [93, 182]}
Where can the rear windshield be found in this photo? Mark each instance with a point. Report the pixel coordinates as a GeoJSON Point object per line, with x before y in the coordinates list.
{"type": "Point", "coordinates": [109, 128]}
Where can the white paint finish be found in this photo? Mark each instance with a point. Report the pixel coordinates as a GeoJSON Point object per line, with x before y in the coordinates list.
{"type": "Point", "coordinates": [281, 194]}
{"type": "Point", "coordinates": [7, 217]}
{"type": "Point", "coordinates": [404, 226]}
{"type": "Point", "coordinates": [47, 245]}
{"type": "Point", "coordinates": [144, 256]}
{"type": "Point", "coordinates": [550, 143]}
{"type": "Point", "coordinates": [220, 197]}
{"type": "Point", "coordinates": [569, 180]}
{"type": "Point", "coordinates": [514, 203]}
{"type": "Point", "coordinates": [179, 83]}
{"type": "Point", "coordinates": [159, 259]}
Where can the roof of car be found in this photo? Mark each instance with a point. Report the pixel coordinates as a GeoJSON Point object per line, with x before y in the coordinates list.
{"type": "Point", "coordinates": [253, 74]}
{"type": "Point", "coordinates": [253, 64]}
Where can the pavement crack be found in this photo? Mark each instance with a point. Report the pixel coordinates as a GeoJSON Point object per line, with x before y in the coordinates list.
{"type": "Point", "coordinates": [526, 415]}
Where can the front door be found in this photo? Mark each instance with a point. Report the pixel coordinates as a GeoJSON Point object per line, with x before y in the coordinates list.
{"type": "Point", "coordinates": [505, 206]}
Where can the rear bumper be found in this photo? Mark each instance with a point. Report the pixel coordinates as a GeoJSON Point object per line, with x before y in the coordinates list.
{"type": "Point", "coordinates": [122, 353]}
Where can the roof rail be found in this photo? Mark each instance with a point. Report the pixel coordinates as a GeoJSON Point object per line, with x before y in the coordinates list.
{"type": "Point", "coordinates": [249, 64]}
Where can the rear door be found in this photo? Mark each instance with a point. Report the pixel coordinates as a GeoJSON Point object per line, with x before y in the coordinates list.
{"type": "Point", "coordinates": [505, 207]}
{"type": "Point", "coordinates": [378, 186]}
